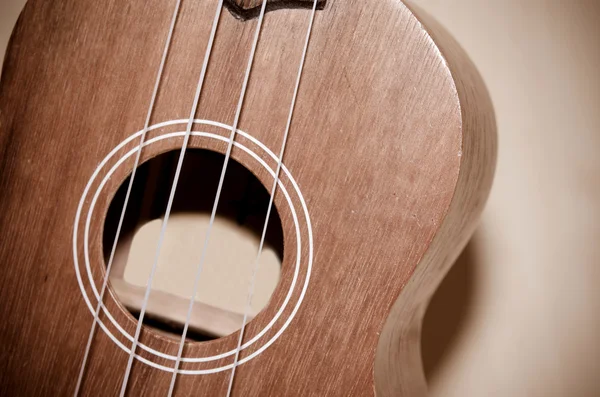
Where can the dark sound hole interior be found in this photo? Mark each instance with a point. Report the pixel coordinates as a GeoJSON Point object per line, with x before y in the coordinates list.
{"type": "Point", "coordinates": [243, 202]}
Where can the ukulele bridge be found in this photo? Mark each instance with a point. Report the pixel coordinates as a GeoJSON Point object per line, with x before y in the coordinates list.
{"type": "Point", "coordinates": [245, 10]}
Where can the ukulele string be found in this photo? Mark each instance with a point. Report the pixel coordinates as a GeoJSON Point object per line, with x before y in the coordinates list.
{"type": "Point", "coordinates": [127, 195]}
{"type": "Point", "coordinates": [271, 199]}
{"type": "Point", "coordinates": [172, 195]}
{"type": "Point", "coordinates": [218, 193]}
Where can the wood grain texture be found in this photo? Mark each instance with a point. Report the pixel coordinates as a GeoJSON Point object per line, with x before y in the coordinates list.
{"type": "Point", "coordinates": [392, 147]}
{"type": "Point", "coordinates": [399, 367]}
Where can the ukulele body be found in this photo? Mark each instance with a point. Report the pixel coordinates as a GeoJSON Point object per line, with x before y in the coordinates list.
{"type": "Point", "coordinates": [388, 165]}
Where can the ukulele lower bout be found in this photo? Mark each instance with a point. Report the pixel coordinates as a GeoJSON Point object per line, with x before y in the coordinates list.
{"type": "Point", "coordinates": [388, 142]}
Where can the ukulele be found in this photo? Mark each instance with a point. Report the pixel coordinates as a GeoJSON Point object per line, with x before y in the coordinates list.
{"type": "Point", "coordinates": [371, 135]}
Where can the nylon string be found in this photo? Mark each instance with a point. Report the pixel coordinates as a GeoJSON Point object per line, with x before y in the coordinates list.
{"type": "Point", "coordinates": [172, 195]}
{"type": "Point", "coordinates": [127, 195]}
{"type": "Point", "coordinates": [271, 199]}
{"type": "Point", "coordinates": [218, 194]}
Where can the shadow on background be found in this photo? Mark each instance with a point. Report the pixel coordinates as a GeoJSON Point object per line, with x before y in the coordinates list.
{"type": "Point", "coordinates": [448, 312]}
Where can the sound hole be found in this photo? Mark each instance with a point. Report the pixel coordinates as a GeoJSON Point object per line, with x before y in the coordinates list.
{"type": "Point", "coordinates": [222, 294]}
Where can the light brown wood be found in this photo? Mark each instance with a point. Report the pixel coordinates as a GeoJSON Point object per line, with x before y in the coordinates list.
{"type": "Point", "coordinates": [398, 369]}
{"type": "Point", "coordinates": [392, 147]}
{"type": "Point", "coordinates": [168, 307]}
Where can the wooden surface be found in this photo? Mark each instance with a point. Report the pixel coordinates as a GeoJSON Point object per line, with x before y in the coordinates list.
{"type": "Point", "coordinates": [391, 145]}
{"type": "Point", "coordinates": [398, 368]}
{"type": "Point", "coordinates": [519, 314]}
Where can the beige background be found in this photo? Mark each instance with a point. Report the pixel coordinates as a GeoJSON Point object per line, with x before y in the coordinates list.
{"type": "Point", "coordinates": [519, 314]}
